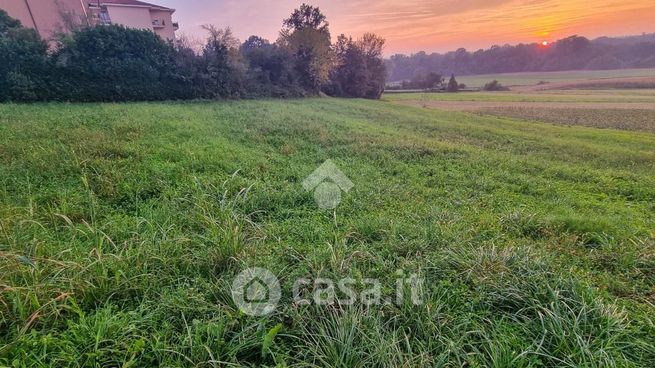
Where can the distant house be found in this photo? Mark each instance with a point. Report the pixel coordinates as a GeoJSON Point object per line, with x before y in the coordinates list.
{"type": "Point", "coordinates": [50, 17]}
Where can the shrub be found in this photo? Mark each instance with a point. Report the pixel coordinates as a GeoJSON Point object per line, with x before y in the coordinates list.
{"type": "Point", "coordinates": [494, 86]}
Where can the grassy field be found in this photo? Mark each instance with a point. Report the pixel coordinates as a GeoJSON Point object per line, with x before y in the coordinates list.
{"type": "Point", "coordinates": [532, 78]}
{"type": "Point", "coordinates": [122, 227]}
{"type": "Point", "coordinates": [624, 109]}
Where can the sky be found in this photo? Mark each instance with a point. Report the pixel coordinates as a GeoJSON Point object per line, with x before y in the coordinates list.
{"type": "Point", "coordinates": [410, 26]}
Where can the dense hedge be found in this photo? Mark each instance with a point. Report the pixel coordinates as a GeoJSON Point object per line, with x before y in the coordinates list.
{"type": "Point", "coordinates": [113, 63]}
{"type": "Point", "coordinates": [24, 64]}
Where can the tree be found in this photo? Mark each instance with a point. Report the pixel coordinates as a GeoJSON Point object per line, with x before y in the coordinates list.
{"type": "Point", "coordinates": [372, 46]}
{"type": "Point", "coordinates": [360, 70]}
{"type": "Point", "coordinates": [453, 86]}
{"type": "Point", "coordinates": [604, 62]}
{"type": "Point", "coordinates": [307, 37]}
{"type": "Point", "coordinates": [254, 43]}
{"type": "Point", "coordinates": [270, 69]}
{"type": "Point", "coordinates": [222, 72]}
{"type": "Point", "coordinates": [350, 76]}
{"type": "Point", "coordinates": [307, 17]}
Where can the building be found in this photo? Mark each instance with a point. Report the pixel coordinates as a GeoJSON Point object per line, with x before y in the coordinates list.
{"type": "Point", "coordinates": [134, 14]}
{"type": "Point", "coordinates": [50, 17]}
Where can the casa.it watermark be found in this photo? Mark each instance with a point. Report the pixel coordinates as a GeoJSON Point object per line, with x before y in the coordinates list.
{"type": "Point", "coordinates": [257, 292]}
{"type": "Point", "coordinates": [327, 182]}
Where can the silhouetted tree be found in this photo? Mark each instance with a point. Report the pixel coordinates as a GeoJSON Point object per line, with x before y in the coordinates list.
{"type": "Point", "coordinates": [372, 46]}
{"type": "Point", "coordinates": [453, 86]}
{"type": "Point", "coordinates": [360, 70]}
{"type": "Point", "coordinates": [307, 17]}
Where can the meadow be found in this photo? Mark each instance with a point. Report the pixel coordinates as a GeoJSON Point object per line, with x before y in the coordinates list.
{"type": "Point", "coordinates": [532, 78]}
{"type": "Point", "coordinates": [122, 227]}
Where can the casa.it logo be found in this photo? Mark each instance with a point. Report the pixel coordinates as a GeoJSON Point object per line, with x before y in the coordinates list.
{"type": "Point", "coordinates": [327, 182]}
{"type": "Point", "coordinates": [256, 291]}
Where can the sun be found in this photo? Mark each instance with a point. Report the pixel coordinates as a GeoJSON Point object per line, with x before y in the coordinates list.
{"type": "Point", "coordinates": [545, 43]}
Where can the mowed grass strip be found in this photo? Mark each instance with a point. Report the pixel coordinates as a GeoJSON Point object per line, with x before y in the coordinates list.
{"type": "Point", "coordinates": [532, 78]}
{"type": "Point", "coordinates": [614, 109]}
{"type": "Point", "coordinates": [123, 225]}
{"type": "Point", "coordinates": [625, 96]}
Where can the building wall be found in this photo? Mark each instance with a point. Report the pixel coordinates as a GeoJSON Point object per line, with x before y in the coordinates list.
{"type": "Point", "coordinates": [18, 9]}
{"type": "Point", "coordinates": [132, 17]}
{"type": "Point", "coordinates": [165, 19]}
{"type": "Point", "coordinates": [51, 16]}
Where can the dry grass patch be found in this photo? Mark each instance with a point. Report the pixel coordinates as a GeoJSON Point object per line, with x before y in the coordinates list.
{"type": "Point", "coordinates": [634, 119]}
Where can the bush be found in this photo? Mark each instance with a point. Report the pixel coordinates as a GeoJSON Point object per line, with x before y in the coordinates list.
{"type": "Point", "coordinates": [494, 86]}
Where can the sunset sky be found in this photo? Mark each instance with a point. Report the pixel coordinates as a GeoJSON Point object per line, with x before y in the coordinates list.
{"type": "Point", "coordinates": [437, 25]}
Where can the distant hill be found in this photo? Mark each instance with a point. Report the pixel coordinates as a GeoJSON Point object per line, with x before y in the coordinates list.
{"type": "Point", "coordinates": [627, 40]}
{"type": "Point", "coordinates": [571, 53]}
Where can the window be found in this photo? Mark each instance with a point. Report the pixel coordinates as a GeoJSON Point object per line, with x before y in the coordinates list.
{"type": "Point", "coordinates": [104, 17]}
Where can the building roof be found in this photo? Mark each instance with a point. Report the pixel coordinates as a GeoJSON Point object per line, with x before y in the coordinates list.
{"type": "Point", "coordinates": [130, 3]}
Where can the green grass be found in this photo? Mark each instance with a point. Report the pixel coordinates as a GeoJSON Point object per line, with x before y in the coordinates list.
{"type": "Point", "coordinates": [531, 78]}
{"type": "Point", "coordinates": [123, 225]}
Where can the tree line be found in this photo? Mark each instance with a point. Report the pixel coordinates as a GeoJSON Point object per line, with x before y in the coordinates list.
{"type": "Point", "coordinates": [572, 53]}
{"type": "Point", "coordinates": [114, 63]}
